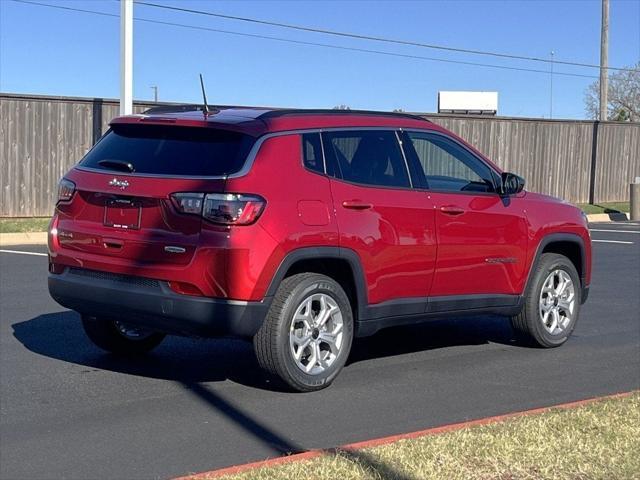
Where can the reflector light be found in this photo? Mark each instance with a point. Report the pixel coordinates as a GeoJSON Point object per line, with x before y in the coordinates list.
{"type": "Point", "coordinates": [184, 288]}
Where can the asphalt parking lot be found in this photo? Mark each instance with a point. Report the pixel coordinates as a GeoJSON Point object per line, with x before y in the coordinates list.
{"type": "Point", "coordinates": [69, 410]}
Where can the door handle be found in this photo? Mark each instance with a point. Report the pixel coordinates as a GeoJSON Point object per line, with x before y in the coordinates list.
{"type": "Point", "coordinates": [111, 243]}
{"type": "Point", "coordinates": [356, 205]}
{"type": "Point", "coordinates": [452, 210]}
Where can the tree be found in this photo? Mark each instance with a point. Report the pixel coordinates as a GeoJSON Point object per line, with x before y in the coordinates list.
{"type": "Point", "coordinates": [623, 96]}
{"type": "Point", "coordinates": [342, 107]}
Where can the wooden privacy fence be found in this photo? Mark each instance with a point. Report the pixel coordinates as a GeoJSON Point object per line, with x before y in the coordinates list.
{"type": "Point", "coordinates": [580, 161]}
{"type": "Point", "coordinates": [42, 137]}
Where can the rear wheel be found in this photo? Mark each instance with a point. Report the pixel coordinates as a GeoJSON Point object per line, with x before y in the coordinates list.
{"type": "Point", "coordinates": [119, 337]}
{"type": "Point", "coordinates": [552, 302]}
{"type": "Point", "coordinates": [306, 337]}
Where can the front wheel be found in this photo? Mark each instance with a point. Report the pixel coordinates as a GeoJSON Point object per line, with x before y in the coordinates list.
{"type": "Point", "coordinates": [306, 337]}
{"type": "Point", "coordinates": [552, 302]}
{"type": "Point", "coordinates": [119, 337]}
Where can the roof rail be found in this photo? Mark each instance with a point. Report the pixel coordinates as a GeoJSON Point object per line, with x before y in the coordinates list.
{"type": "Point", "coordinates": [301, 111]}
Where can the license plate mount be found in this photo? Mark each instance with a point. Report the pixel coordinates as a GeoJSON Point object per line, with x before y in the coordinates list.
{"type": "Point", "coordinates": [122, 213]}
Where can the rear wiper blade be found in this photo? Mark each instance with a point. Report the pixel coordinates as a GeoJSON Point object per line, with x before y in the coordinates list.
{"type": "Point", "coordinates": [117, 165]}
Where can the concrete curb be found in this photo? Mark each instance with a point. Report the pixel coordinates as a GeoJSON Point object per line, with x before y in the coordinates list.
{"type": "Point", "coordinates": [608, 217]}
{"type": "Point", "coordinates": [27, 238]}
{"type": "Point", "coordinates": [310, 454]}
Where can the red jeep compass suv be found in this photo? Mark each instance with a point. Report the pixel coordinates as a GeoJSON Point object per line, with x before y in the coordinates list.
{"type": "Point", "coordinates": [301, 230]}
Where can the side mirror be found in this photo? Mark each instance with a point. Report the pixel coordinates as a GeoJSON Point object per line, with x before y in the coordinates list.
{"type": "Point", "coordinates": [511, 184]}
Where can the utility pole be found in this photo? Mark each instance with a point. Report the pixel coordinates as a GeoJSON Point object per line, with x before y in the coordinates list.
{"type": "Point", "coordinates": [551, 89]}
{"type": "Point", "coordinates": [126, 57]}
{"type": "Point", "coordinates": [604, 60]}
{"type": "Point", "coordinates": [155, 92]}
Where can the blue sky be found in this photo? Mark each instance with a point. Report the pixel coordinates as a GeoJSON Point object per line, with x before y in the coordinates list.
{"type": "Point", "coordinates": [49, 51]}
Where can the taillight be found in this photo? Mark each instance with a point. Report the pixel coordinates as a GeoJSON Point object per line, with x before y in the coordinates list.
{"type": "Point", "coordinates": [232, 208]}
{"type": "Point", "coordinates": [188, 202]}
{"type": "Point", "coordinates": [221, 208]}
{"type": "Point", "coordinates": [66, 189]}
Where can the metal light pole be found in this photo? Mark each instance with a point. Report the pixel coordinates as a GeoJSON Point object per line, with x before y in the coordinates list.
{"type": "Point", "coordinates": [604, 60]}
{"type": "Point", "coordinates": [155, 92]}
{"type": "Point", "coordinates": [126, 57]}
{"type": "Point", "coordinates": [551, 89]}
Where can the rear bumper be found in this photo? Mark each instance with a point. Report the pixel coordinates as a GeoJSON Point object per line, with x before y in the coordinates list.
{"type": "Point", "coordinates": [151, 303]}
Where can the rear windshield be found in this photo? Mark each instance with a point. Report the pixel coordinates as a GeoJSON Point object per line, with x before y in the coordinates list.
{"type": "Point", "coordinates": [169, 150]}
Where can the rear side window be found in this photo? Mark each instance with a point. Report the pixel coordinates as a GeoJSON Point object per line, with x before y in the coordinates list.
{"type": "Point", "coordinates": [312, 152]}
{"type": "Point", "coordinates": [370, 157]}
{"type": "Point", "coordinates": [170, 150]}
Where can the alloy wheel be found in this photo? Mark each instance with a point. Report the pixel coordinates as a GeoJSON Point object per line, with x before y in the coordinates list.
{"type": "Point", "coordinates": [316, 333]}
{"type": "Point", "coordinates": [557, 302]}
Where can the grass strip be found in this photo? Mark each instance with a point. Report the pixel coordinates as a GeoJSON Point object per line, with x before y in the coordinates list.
{"type": "Point", "coordinates": [600, 440]}
{"type": "Point", "coordinates": [24, 225]}
{"type": "Point", "coordinates": [610, 207]}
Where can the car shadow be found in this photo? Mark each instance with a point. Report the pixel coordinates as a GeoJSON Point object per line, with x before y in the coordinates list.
{"type": "Point", "coordinates": [434, 334]}
{"type": "Point", "coordinates": [188, 361]}
{"type": "Point", "coordinates": [194, 363]}
{"type": "Point", "coordinates": [185, 360]}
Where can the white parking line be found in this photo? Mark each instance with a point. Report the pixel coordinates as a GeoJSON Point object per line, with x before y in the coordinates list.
{"type": "Point", "coordinates": [613, 241]}
{"type": "Point", "coordinates": [615, 224]}
{"type": "Point", "coordinates": [615, 231]}
{"type": "Point", "coordinates": [18, 252]}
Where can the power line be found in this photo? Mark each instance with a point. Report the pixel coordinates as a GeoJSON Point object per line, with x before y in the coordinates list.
{"type": "Point", "coordinates": [302, 42]}
{"type": "Point", "coordinates": [60, 7]}
{"type": "Point", "coordinates": [374, 38]}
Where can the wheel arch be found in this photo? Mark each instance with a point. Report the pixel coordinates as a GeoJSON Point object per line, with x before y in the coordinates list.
{"type": "Point", "coordinates": [341, 264]}
{"type": "Point", "coordinates": [569, 245]}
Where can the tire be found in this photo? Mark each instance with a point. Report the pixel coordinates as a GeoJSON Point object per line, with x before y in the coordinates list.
{"type": "Point", "coordinates": [535, 323]}
{"type": "Point", "coordinates": [107, 335]}
{"type": "Point", "coordinates": [281, 337]}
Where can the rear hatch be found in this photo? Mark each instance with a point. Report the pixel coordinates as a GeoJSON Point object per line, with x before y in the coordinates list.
{"type": "Point", "coordinates": [132, 190]}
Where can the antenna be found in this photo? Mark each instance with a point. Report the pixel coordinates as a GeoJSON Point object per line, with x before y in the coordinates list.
{"type": "Point", "coordinates": [205, 108]}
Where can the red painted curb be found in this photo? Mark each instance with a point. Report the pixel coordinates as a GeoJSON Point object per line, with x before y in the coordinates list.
{"type": "Point", "coordinates": [271, 462]}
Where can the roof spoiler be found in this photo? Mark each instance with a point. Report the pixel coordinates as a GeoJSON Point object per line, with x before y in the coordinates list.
{"type": "Point", "coordinates": [173, 109]}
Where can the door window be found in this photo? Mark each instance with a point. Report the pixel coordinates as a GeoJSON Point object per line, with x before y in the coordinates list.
{"type": "Point", "coordinates": [447, 166]}
{"type": "Point", "coordinates": [369, 157]}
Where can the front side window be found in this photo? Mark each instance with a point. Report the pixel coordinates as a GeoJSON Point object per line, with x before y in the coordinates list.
{"type": "Point", "coordinates": [447, 166]}
{"type": "Point", "coordinates": [368, 157]}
